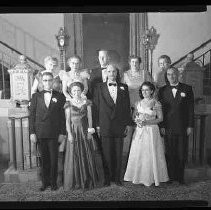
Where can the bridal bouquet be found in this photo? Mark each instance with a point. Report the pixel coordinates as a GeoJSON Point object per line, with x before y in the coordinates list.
{"type": "Point", "coordinates": [140, 118]}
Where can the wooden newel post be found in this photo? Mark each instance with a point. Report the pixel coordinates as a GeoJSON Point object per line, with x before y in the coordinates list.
{"type": "Point", "coordinates": [21, 78]}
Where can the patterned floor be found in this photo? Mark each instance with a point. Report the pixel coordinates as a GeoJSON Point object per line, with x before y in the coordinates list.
{"type": "Point", "coordinates": [197, 191]}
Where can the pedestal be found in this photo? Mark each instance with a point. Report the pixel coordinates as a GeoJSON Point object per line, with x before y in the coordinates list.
{"type": "Point", "coordinates": [23, 163]}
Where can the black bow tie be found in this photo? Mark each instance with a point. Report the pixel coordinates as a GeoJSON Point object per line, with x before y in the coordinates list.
{"type": "Point", "coordinates": [102, 68]}
{"type": "Point", "coordinates": [112, 84]}
{"type": "Point", "coordinates": [174, 86]}
{"type": "Point", "coordinates": [47, 91]}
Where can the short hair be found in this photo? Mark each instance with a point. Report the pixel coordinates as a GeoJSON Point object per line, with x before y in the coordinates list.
{"type": "Point", "coordinates": [78, 84]}
{"type": "Point", "coordinates": [47, 73]}
{"type": "Point", "coordinates": [102, 49]}
{"type": "Point", "coordinates": [166, 57]}
{"type": "Point", "coordinates": [148, 84]}
{"type": "Point", "coordinates": [74, 56]}
{"type": "Point", "coordinates": [174, 68]}
{"type": "Point", "coordinates": [51, 59]}
{"type": "Point", "coordinates": [134, 57]}
{"type": "Point", "coordinates": [114, 65]}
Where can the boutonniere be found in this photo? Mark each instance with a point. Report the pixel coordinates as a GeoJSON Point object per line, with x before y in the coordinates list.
{"type": "Point", "coordinates": [121, 87]}
{"type": "Point", "coordinates": [182, 94]}
{"type": "Point", "coordinates": [54, 100]}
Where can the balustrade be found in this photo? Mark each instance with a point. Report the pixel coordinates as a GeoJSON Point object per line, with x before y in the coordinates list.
{"type": "Point", "coordinates": [23, 154]}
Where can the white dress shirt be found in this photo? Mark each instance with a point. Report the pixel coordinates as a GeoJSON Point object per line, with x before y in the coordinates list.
{"type": "Point", "coordinates": [174, 90]}
{"type": "Point", "coordinates": [112, 90]}
{"type": "Point", "coordinates": [47, 98]}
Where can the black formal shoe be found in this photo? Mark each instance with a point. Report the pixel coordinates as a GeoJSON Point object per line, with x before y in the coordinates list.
{"type": "Point", "coordinates": [54, 187]}
{"type": "Point", "coordinates": [106, 183]}
{"type": "Point", "coordinates": [182, 182]}
{"type": "Point", "coordinates": [169, 182]}
{"type": "Point", "coordinates": [43, 188]}
{"type": "Point", "coordinates": [119, 183]}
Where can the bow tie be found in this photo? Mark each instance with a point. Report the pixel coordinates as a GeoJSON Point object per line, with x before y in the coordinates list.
{"type": "Point", "coordinates": [47, 91]}
{"type": "Point", "coordinates": [112, 84]}
{"type": "Point", "coordinates": [102, 68]}
{"type": "Point", "coordinates": [174, 86]}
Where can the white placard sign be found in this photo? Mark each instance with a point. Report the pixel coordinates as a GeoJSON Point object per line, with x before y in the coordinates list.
{"type": "Point", "coordinates": [20, 83]}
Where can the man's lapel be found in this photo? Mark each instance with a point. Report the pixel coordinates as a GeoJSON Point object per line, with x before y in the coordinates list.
{"type": "Point", "coordinates": [170, 93]}
{"type": "Point", "coordinates": [119, 95]}
{"type": "Point", "coordinates": [42, 101]}
{"type": "Point", "coordinates": [51, 102]}
{"type": "Point", "coordinates": [107, 96]}
{"type": "Point", "coordinates": [48, 110]}
{"type": "Point", "coordinates": [178, 93]}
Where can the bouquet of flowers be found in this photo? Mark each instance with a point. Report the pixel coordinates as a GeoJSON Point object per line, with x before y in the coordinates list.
{"type": "Point", "coordinates": [140, 118]}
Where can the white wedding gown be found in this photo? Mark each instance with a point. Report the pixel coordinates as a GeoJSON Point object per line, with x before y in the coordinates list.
{"type": "Point", "coordinates": [146, 163]}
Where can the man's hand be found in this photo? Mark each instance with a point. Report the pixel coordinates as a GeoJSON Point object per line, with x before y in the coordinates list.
{"type": "Point", "coordinates": [189, 131]}
{"type": "Point", "coordinates": [61, 138]}
{"type": "Point", "coordinates": [98, 131]}
{"type": "Point", "coordinates": [70, 138]}
{"type": "Point", "coordinates": [162, 131]}
{"type": "Point", "coordinates": [33, 138]}
{"type": "Point", "coordinates": [127, 130]}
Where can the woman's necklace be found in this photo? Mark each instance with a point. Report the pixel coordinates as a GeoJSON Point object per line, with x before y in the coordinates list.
{"type": "Point", "coordinates": [78, 101]}
{"type": "Point", "coordinates": [134, 73]}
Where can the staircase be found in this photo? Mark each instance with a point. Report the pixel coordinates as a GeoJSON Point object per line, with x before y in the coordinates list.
{"type": "Point", "coordinates": [25, 42]}
{"type": "Point", "coordinates": [202, 56]}
{"type": "Point", "coordinates": [8, 58]}
{"type": "Point", "coordinates": [14, 41]}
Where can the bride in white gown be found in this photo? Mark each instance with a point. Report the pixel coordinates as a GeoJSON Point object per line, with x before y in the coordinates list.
{"type": "Point", "coordinates": [146, 163]}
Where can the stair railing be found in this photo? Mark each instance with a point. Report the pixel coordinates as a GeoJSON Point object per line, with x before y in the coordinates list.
{"type": "Point", "coordinates": [192, 52]}
{"type": "Point", "coordinates": [8, 58]}
{"type": "Point", "coordinates": [25, 42]}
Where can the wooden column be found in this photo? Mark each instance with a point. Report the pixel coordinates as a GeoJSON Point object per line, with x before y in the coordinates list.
{"type": "Point", "coordinates": [73, 28]}
{"type": "Point", "coordinates": [138, 25]}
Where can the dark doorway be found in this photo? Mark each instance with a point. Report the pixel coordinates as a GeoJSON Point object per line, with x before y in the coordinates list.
{"type": "Point", "coordinates": [105, 30]}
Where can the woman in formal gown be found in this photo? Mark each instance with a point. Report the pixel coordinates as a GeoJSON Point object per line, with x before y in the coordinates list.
{"type": "Point", "coordinates": [79, 166]}
{"type": "Point", "coordinates": [146, 163]}
{"type": "Point", "coordinates": [51, 64]}
{"type": "Point", "coordinates": [74, 75]}
{"type": "Point", "coordinates": [134, 77]}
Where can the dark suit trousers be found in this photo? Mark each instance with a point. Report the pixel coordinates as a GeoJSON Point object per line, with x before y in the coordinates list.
{"type": "Point", "coordinates": [112, 158]}
{"type": "Point", "coordinates": [49, 160]}
{"type": "Point", "coordinates": [176, 148]}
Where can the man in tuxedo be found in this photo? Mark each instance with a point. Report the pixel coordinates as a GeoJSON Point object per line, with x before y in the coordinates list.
{"type": "Point", "coordinates": [112, 103]}
{"type": "Point", "coordinates": [177, 101]}
{"type": "Point", "coordinates": [99, 75]}
{"type": "Point", "coordinates": [47, 128]}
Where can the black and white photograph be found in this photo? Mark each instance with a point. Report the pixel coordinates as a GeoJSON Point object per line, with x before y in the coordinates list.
{"type": "Point", "coordinates": [105, 109]}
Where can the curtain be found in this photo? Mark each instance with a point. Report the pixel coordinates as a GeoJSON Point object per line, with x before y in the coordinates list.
{"type": "Point", "coordinates": [138, 25]}
{"type": "Point", "coordinates": [73, 28]}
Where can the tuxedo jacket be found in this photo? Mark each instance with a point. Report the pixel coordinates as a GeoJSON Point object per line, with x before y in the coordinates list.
{"type": "Point", "coordinates": [47, 122]}
{"type": "Point", "coordinates": [110, 117]}
{"type": "Point", "coordinates": [96, 78]}
{"type": "Point", "coordinates": [178, 112]}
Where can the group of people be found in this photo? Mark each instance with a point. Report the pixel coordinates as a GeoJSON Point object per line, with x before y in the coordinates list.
{"type": "Point", "coordinates": [80, 112]}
